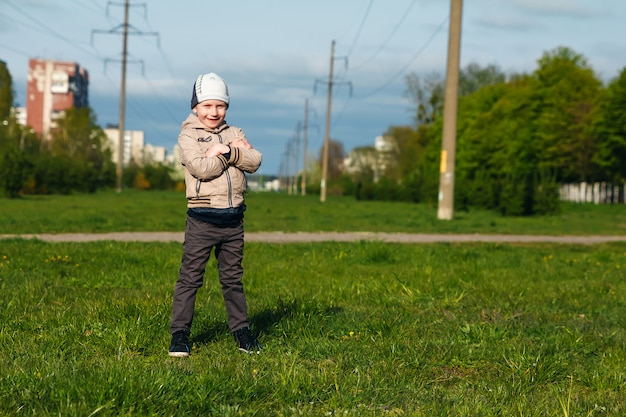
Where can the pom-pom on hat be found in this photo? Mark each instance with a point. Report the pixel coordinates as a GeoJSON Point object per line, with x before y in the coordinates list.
{"type": "Point", "coordinates": [209, 87]}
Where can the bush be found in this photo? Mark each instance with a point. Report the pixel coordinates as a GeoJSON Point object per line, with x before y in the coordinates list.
{"type": "Point", "coordinates": [14, 167]}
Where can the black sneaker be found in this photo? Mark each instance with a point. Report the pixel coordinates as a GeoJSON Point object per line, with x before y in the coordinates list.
{"type": "Point", "coordinates": [179, 347]}
{"type": "Point", "coordinates": [246, 342]}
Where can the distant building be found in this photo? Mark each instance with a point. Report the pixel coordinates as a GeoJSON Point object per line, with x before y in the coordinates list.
{"type": "Point", "coordinates": [52, 88]}
{"type": "Point", "coordinates": [154, 154]}
{"type": "Point", "coordinates": [174, 157]}
{"type": "Point", "coordinates": [20, 115]}
{"type": "Point", "coordinates": [132, 148]}
{"type": "Point", "coordinates": [173, 160]}
{"type": "Point", "coordinates": [375, 159]}
{"type": "Point", "coordinates": [135, 148]}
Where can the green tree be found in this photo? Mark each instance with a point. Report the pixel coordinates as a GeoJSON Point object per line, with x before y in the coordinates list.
{"type": "Point", "coordinates": [81, 143]}
{"type": "Point", "coordinates": [498, 149]}
{"type": "Point", "coordinates": [611, 131]}
{"type": "Point", "coordinates": [568, 93]}
{"type": "Point", "coordinates": [336, 156]}
{"type": "Point", "coordinates": [409, 148]}
{"type": "Point", "coordinates": [474, 77]}
{"type": "Point", "coordinates": [6, 92]}
{"type": "Point", "coordinates": [14, 162]}
{"type": "Point", "coordinates": [159, 176]}
{"type": "Point", "coordinates": [426, 94]}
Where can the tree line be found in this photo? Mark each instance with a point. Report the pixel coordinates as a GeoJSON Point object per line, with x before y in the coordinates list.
{"type": "Point", "coordinates": [75, 158]}
{"type": "Point", "coordinates": [518, 138]}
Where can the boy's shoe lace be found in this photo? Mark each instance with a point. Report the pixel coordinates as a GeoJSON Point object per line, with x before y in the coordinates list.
{"type": "Point", "coordinates": [179, 347]}
{"type": "Point", "coordinates": [246, 341]}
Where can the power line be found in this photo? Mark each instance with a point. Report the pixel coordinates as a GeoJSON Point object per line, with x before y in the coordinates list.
{"type": "Point", "coordinates": [164, 105]}
{"type": "Point", "coordinates": [16, 51]}
{"type": "Point", "coordinates": [94, 8]}
{"type": "Point", "coordinates": [50, 30]}
{"type": "Point", "coordinates": [404, 68]}
{"type": "Point", "coordinates": [386, 41]}
{"type": "Point", "coordinates": [358, 33]}
{"type": "Point", "coordinates": [164, 57]}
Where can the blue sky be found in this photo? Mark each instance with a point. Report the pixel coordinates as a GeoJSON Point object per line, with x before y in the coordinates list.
{"type": "Point", "coordinates": [275, 54]}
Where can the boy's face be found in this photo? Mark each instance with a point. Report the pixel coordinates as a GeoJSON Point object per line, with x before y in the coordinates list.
{"type": "Point", "coordinates": [211, 113]}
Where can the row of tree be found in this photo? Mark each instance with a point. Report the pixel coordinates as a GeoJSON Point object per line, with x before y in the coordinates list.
{"type": "Point", "coordinates": [518, 137]}
{"type": "Point", "coordinates": [75, 158]}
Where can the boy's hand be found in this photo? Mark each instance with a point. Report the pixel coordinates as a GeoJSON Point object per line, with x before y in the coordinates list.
{"type": "Point", "coordinates": [217, 149]}
{"type": "Point", "coordinates": [241, 143]}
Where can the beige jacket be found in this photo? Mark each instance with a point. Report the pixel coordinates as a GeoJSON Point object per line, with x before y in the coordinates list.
{"type": "Point", "coordinates": [214, 182]}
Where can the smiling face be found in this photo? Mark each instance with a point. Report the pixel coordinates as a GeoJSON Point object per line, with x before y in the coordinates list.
{"type": "Point", "coordinates": [211, 113]}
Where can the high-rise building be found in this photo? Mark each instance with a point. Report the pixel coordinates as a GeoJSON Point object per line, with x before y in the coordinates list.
{"type": "Point", "coordinates": [53, 87]}
{"type": "Point", "coordinates": [133, 147]}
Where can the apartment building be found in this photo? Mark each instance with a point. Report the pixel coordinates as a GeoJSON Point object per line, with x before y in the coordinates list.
{"type": "Point", "coordinates": [53, 87]}
{"type": "Point", "coordinates": [134, 147]}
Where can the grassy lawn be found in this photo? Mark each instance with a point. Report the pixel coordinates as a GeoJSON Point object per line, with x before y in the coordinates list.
{"type": "Point", "coordinates": [165, 211]}
{"type": "Point", "coordinates": [356, 329]}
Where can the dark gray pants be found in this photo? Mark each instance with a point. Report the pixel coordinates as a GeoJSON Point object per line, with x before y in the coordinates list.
{"type": "Point", "coordinates": [200, 238]}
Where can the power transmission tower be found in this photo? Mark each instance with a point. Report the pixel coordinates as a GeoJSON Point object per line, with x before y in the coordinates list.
{"type": "Point", "coordinates": [327, 129]}
{"type": "Point", "coordinates": [122, 116]}
{"type": "Point", "coordinates": [288, 158]}
{"type": "Point", "coordinates": [448, 145]}
{"type": "Point", "coordinates": [296, 155]}
{"type": "Point", "coordinates": [304, 139]}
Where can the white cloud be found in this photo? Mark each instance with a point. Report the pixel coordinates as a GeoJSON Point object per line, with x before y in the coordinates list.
{"type": "Point", "coordinates": [507, 22]}
{"type": "Point", "coordinates": [562, 8]}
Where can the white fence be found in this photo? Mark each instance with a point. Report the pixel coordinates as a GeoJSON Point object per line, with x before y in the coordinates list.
{"type": "Point", "coordinates": [596, 193]}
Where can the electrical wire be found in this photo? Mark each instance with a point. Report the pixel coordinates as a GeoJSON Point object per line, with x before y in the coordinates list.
{"type": "Point", "coordinates": [358, 33]}
{"type": "Point", "coordinates": [16, 51]}
{"type": "Point", "coordinates": [403, 69]}
{"type": "Point", "coordinates": [164, 57]}
{"type": "Point", "coordinates": [164, 105]}
{"type": "Point", "coordinates": [50, 30]}
{"type": "Point", "coordinates": [386, 41]}
{"type": "Point", "coordinates": [379, 49]}
{"type": "Point", "coordinates": [388, 82]}
{"type": "Point", "coordinates": [94, 8]}
{"type": "Point", "coordinates": [137, 108]}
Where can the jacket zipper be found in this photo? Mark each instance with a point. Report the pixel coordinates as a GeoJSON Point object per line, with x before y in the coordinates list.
{"type": "Point", "coordinates": [230, 185]}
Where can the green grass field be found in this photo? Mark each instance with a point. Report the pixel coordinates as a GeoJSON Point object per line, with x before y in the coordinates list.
{"type": "Point", "coordinates": [165, 211]}
{"type": "Point", "coordinates": [351, 329]}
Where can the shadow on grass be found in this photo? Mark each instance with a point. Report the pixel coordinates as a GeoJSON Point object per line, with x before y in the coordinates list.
{"type": "Point", "coordinates": [210, 333]}
{"type": "Point", "coordinates": [266, 320]}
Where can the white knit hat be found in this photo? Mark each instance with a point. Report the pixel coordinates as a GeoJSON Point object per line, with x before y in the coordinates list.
{"type": "Point", "coordinates": [209, 87]}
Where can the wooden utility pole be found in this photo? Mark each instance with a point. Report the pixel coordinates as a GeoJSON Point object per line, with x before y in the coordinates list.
{"type": "Point", "coordinates": [122, 116]}
{"type": "Point", "coordinates": [448, 145]}
{"type": "Point", "coordinates": [304, 137]}
{"type": "Point", "coordinates": [327, 130]}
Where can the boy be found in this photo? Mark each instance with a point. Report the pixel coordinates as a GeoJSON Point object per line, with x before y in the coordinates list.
{"type": "Point", "coordinates": [215, 157]}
